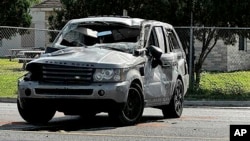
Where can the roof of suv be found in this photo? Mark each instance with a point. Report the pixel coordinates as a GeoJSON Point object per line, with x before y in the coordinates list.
{"type": "Point", "coordinates": [134, 22]}
{"type": "Point", "coordinates": [123, 20]}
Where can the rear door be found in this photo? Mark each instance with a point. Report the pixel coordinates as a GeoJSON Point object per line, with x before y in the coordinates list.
{"type": "Point", "coordinates": [174, 60]}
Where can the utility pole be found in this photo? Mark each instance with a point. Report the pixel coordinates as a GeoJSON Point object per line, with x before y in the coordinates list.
{"type": "Point", "coordinates": [191, 74]}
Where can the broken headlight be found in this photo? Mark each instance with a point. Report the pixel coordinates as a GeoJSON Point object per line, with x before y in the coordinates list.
{"type": "Point", "coordinates": [109, 75]}
{"type": "Point", "coordinates": [27, 76]}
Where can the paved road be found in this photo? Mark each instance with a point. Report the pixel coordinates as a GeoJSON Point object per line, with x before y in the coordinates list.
{"type": "Point", "coordinates": [196, 124]}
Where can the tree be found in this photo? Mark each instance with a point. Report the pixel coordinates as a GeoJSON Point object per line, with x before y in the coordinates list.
{"type": "Point", "coordinates": [14, 13]}
{"type": "Point", "coordinates": [214, 13]}
{"type": "Point", "coordinates": [34, 2]}
{"type": "Point", "coordinates": [148, 9]}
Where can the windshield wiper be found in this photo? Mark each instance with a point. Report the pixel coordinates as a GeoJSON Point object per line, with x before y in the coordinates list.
{"type": "Point", "coordinates": [78, 43]}
{"type": "Point", "coordinates": [112, 48]}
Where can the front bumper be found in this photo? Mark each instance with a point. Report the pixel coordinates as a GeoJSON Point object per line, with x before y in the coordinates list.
{"type": "Point", "coordinates": [116, 92]}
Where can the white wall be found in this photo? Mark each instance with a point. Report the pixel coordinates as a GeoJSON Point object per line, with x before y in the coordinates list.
{"type": "Point", "coordinates": [216, 59]}
{"type": "Point", "coordinates": [38, 19]}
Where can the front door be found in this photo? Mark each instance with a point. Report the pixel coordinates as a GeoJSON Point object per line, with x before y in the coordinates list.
{"type": "Point", "coordinates": [156, 82]}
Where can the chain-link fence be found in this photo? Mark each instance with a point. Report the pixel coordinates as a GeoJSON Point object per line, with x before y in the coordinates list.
{"type": "Point", "coordinates": [24, 38]}
{"type": "Point", "coordinates": [220, 54]}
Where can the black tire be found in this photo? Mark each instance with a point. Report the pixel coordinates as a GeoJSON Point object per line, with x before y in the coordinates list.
{"type": "Point", "coordinates": [175, 108]}
{"type": "Point", "coordinates": [34, 113]}
{"type": "Point", "coordinates": [131, 113]}
{"type": "Point", "coordinates": [88, 115]}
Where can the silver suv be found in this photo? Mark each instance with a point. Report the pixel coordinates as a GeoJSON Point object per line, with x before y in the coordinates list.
{"type": "Point", "coordinates": [106, 64]}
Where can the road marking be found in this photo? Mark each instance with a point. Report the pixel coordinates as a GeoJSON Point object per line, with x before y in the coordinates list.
{"type": "Point", "coordinates": [153, 124]}
{"type": "Point", "coordinates": [119, 135]}
{"type": "Point", "coordinates": [198, 118]}
{"type": "Point", "coordinates": [145, 136]}
{"type": "Point", "coordinates": [11, 123]}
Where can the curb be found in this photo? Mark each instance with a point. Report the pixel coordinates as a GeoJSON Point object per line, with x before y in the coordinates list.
{"type": "Point", "coordinates": [8, 100]}
{"type": "Point", "coordinates": [186, 103]}
{"type": "Point", "coordinates": [218, 103]}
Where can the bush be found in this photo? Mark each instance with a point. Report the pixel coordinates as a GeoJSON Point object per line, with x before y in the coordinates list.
{"type": "Point", "coordinates": [232, 86]}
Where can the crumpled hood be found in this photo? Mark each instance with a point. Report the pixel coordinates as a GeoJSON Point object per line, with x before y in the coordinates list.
{"type": "Point", "coordinates": [94, 57]}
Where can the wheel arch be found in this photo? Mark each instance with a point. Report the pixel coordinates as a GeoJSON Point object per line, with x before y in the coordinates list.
{"type": "Point", "coordinates": [184, 84]}
{"type": "Point", "coordinates": [138, 81]}
{"type": "Point", "coordinates": [179, 77]}
{"type": "Point", "coordinates": [174, 84]}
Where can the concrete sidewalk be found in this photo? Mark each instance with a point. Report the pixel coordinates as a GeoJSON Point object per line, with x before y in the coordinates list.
{"type": "Point", "coordinates": [186, 103]}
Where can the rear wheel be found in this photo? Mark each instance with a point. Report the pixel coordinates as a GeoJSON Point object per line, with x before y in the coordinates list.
{"type": "Point", "coordinates": [175, 108]}
{"type": "Point", "coordinates": [131, 113]}
{"type": "Point", "coordinates": [35, 113]}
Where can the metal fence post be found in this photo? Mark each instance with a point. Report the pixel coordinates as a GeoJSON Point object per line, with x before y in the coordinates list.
{"type": "Point", "coordinates": [191, 76]}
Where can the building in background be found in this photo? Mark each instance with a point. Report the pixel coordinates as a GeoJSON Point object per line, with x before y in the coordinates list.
{"type": "Point", "coordinates": [41, 12]}
{"type": "Point", "coordinates": [226, 58]}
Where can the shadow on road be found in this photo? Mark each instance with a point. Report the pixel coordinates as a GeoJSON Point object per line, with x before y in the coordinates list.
{"type": "Point", "coordinates": [75, 123]}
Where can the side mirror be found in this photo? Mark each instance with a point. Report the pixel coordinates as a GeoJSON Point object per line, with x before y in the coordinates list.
{"type": "Point", "coordinates": [155, 52]}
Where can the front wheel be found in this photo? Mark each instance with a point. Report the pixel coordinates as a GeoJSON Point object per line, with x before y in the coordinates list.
{"type": "Point", "coordinates": [175, 108]}
{"type": "Point", "coordinates": [34, 113]}
{"type": "Point", "coordinates": [131, 113]}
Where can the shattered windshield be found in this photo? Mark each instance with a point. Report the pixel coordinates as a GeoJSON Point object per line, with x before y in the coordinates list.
{"type": "Point", "coordinates": [99, 34]}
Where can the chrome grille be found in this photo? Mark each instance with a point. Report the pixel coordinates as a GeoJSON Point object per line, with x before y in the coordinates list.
{"type": "Point", "coordinates": [64, 91]}
{"type": "Point", "coordinates": [66, 74]}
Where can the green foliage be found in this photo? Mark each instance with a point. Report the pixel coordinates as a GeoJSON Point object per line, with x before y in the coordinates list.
{"type": "Point", "coordinates": [221, 13]}
{"type": "Point", "coordinates": [230, 86]}
{"type": "Point", "coordinates": [161, 10]}
{"type": "Point", "coordinates": [34, 2]}
{"type": "Point", "coordinates": [176, 12]}
{"type": "Point", "coordinates": [14, 13]}
{"type": "Point", "coordinates": [10, 71]}
{"type": "Point", "coordinates": [72, 9]}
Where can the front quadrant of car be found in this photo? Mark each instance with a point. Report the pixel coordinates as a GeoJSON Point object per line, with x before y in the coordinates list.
{"type": "Point", "coordinates": [106, 64]}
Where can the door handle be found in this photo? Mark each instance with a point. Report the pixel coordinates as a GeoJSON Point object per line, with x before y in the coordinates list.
{"type": "Point", "coordinates": [166, 66]}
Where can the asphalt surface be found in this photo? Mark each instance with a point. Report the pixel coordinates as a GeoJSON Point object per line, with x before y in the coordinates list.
{"type": "Point", "coordinates": [186, 103]}
{"type": "Point", "coordinates": [196, 124]}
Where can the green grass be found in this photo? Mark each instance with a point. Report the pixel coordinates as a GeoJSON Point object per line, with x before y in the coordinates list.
{"type": "Point", "coordinates": [10, 71]}
{"type": "Point", "coordinates": [214, 86]}
{"type": "Point", "coordinates": [223, 86]}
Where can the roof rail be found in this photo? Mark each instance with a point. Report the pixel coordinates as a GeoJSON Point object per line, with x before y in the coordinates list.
{"type": "Point", "coordinates": [109, 16]}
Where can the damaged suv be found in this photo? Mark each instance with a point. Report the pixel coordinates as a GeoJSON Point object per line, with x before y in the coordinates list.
{"type": "Point", "coordinates": [117, 65]}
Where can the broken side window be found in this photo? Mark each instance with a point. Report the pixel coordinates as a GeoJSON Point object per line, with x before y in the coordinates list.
{"type": "Point", "coordinates": [161, 39]}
